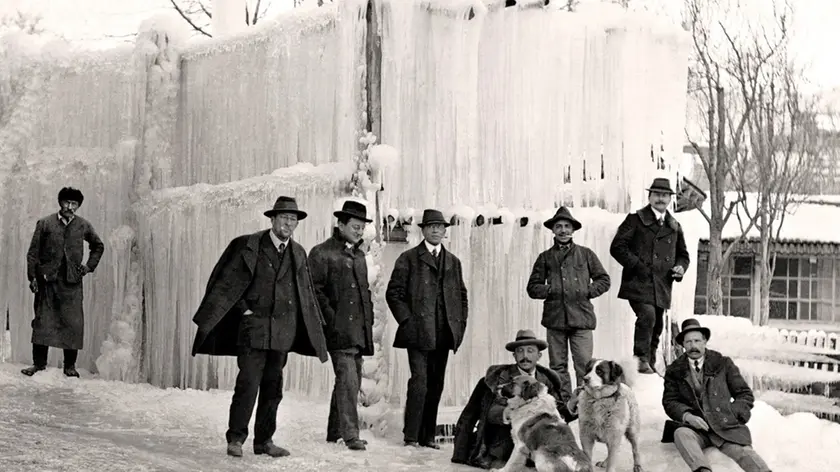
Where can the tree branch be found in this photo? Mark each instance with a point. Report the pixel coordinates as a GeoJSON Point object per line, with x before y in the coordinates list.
{"type": "Point", "coordinates": [189, 20]}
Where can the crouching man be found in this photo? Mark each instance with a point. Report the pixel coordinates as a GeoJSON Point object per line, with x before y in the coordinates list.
{"type": "Point", "coordinates": [709, 403]}
{"type": "Point", "coordinates": [481, 437]}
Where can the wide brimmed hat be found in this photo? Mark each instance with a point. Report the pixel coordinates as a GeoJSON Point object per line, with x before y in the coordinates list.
{"type": "Point", "coordinates": [285, 205]}
{"type": "Point", "coordinates": [690, 325]}
{"type": "Point", "coordinates": [433, 217]}
{"type": "Point", "coordinates": [526, 337]}
{"type": "Point", "coordinates": [562, 214]}
{"type": "Point", "coordinates": [661, 185]}
{"type": "Point", "coordinates": [353, 209]}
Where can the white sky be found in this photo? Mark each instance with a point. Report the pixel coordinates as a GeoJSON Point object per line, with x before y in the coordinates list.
{"type": "Point", "coordinates": [816, 28]}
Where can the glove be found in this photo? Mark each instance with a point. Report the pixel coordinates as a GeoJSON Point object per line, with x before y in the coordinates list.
{"type": "Point", "coordinates": [695, 422]}
{"type": "Point", "coordinates": [33, 286]}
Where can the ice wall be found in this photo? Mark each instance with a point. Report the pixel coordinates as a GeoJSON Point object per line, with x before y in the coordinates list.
{"type": "Point", "coordinates": [285, 91]}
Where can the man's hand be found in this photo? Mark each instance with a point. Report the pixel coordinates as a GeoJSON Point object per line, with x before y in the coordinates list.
{"type": "Point", "coordinates": [33, 286]}
{"type": "Point", "coordinates": [695, 422]}
{"type": "Point", "coordinates": [84, 270]}
{"type": "Point", "coordinates": [678, 271]}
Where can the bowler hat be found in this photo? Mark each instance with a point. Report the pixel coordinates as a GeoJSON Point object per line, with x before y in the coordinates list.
{"type": "Point", "coordinates": [433, 217]}
{"type": "Point", "coordinates": [526, 337]}
{"type": "Point", "coordinates": [662, 185]}
{"type": "Point", "coordinates": [690, 325]}
{"type": "Point", "coordinates": [353, 209]}
{"type": "Point", "coordinates": [562, 214]}
{"type": "Point", "coordinates": [285, 205]}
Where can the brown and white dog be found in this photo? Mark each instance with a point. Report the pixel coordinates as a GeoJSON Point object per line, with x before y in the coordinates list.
{"type": "Point", "coordinates": [538, 431]}
{"type": "Point", "coordinates": [608, 410]}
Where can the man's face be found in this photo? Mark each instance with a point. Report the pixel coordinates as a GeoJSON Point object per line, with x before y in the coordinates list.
{"type": "Point", "coordinates": [694, 344]}
{"type": "Point", "coordinates": [284, 224]}
{"type": "Point", "coordinates": [526, 357]}
{"type": "Point", "coordinates": [659, 200]}
{"type": "Point", "coordinates": [563, 231]}
{"type": "Point", "coordinates": [434, 233]}
{"type": "Point", "coordinates": [68, 208]}
{"type": "Point", "coordinates": [353, 230]}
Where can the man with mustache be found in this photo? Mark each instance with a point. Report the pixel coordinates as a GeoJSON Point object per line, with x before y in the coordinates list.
{"type": "Point", "coordinates": [55, 271]}
{"type": "Point", "coordinates": [709, 403]}
{"type": "Point", "coordinates": [340, 277]}
{"type": "Point", "coordinates": [481, 438]}
{"type": "Point", "coordinates": [568, 276]}
{"type": "Point", "coordinates": [650, 245]}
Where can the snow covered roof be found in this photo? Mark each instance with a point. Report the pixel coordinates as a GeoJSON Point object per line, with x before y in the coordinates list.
{"type": "Point", "coordinates": [812, 221]}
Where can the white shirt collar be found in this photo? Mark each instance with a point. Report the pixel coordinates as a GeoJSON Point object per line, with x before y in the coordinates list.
{"type": "Point", "coordinates": [276, 241]}
{"type": "Point", "coordinates": [526, 373]}
{"type": "Point", "coordinates": [432, 248]}
{"type": "Point", "coordinates": [65, 221]}
{"type": "Point", "coordinates": [699, 361]}
{"type": "Point", "coordinates": [659, 216]}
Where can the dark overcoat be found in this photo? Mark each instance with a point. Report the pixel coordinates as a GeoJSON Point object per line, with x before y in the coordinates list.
{"type": "Point", "coordinates": [648, 252]}
{"type": "Point", "coordinates": [412, 294]}
{"type": "Point", "coordinates": [220, 313]}
{"type": "Point", "coordinates": [340, 279]}
{"type": "Point", "coordinates": [567, 281]}
{"type": "Point", "coordinates": [479, 431]}
{"type": "Point", "coordinates": [54, 259]}
{"type": "Point", "coordinates": [725, 404]}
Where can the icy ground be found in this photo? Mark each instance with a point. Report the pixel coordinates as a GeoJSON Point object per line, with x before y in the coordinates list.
{"type": "Point", "coordinates": [51, 423]}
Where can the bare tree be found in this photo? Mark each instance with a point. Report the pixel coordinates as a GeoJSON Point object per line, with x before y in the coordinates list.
{"type": "Point", "coordinates": [20, 21]}
{"type": "Point", "coordinates": [727, 101]}
{"type": "Point", "coordinates": [197, 13]}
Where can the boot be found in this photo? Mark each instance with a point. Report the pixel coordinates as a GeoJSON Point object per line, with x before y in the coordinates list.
{"type": "Point", "coordinates": [234, 449]}
{"type": "Point", "coordinates": [356, 445]}
{"type": "Point", "coordinates": [70, 371]}
{"type": "Point", "coordinates": [271, 449]}
{"type": "Point", "coordinates": [30, 371]}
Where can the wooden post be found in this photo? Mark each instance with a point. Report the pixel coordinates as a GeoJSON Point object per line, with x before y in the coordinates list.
{"type": "Point", "coordinates": [373, 86]}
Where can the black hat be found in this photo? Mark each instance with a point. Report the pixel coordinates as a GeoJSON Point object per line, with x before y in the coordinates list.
{"type": "Point", "coordinates": [562, 214]}
{"type": "Point", "coordinates": [661, 184]}
{"type": "Point", "coordinates": [70, 194]}
{"type": "Point", "coordinates": [690, 325]}
{"type": "Point", "coordinates": [353, 209]}
{"type": "Point", "coordinates": [285, 205]}
{"type": "Point", "coordinates": [526, 337]}
{"type": "Point", "coordinates": [433, 217]}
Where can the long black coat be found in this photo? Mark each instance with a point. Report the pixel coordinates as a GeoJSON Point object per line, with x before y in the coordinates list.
{"type": "Point", "coordinates": [728, 398]}
{"type": "Point", "coordinates": [54, 259]}
{"type": "Point", "coordinates": [567, 282]}
{"type": "Point", "coordinates": [220, 313]}
{"type": "Point", "coordinates": [340, 279]}
{"type": "Point", "coordinates": [412, 292]}
{"type": "Point", "coordinates": [648, 252]}
{"type": "Point", "coordinates": [479, 431]}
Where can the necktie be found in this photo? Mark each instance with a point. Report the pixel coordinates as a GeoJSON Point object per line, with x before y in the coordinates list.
{"type": "Point", "coordinates": [697, 366]}
{"type": "Point", "coordinates": [660, 221]}
{"type": "Point", "coordinates": [281, 249]}
{"type": "Point", "coordinates": [434, 253]}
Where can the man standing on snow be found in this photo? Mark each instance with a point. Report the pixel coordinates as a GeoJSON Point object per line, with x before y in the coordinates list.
{"type": "Point", "coordinates": [650, 245]}
{"type": "Point", "coordinates": [340, 277]}
{"type": "Point", "coordinates": [428, 298]}
{"type": "Point", "coordinates": [55, 271]}
{"type": "Point", "coordinates": [710, 403]}
{"type": "Point", "coordinates": [259, 306]}
{"type": "Point", "coordinates": [567, 277]}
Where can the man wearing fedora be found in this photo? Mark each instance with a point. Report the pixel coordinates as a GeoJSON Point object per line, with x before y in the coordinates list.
{"type": "Point", "coordinates": [340, 277]}
{"type": "Point", "coordinates": [481, 438]}
{"type": "Point", "coordinates": [259, 306]}
{"type": "Point", "coordinates": [709, 402]}
{"type": "Point", "coordinates": [567, 277]}
{"type": "Point", "coordinates": [650, 246]}
{"type": "Point", "coordinates": [428, 298]}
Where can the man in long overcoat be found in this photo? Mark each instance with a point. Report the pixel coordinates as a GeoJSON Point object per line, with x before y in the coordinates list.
{"type": "Point", "coordinates": [650, 245]}
{"type": "Point", "coordinates": [481, 438]}
{"type": "Point", "coordinates": [428, 298]}
{"type": "Point", "coordinates": [259, 306]}
{"type": "Point", "coordinates": [340, 278]}
{"type": "Point", "coordinates": [709, 403]}
{"type": "Point", "coordinates": [55, 270]}
{"type": "Point", "coordinates": [568, 276]}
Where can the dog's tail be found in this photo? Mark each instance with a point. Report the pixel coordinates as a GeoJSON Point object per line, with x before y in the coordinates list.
{"type": "Point", "coordinates": [630, 367]}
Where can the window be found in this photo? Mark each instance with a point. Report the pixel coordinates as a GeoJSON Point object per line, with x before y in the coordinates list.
{"type": "Point", "coordinates": [804, 289]}
{"type": "Point", "coordinates": [737, 286]}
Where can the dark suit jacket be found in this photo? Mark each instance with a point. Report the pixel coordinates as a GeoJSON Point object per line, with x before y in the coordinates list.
{"type": "Point", "coordinates": [648, 252]}
{"type": "Point", "coordinates": [52, 241]}
{"type": "Point", "coordinates": [412, 294]}
{"type": "Point", "coordinates": [220, 313]}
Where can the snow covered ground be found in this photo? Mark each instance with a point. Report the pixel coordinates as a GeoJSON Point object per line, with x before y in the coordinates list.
{"type": "Point", "coordinates": [51, 423]}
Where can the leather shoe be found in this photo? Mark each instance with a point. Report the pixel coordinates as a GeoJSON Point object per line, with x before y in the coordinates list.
{"type": "Point", "coordinates": [430, 445]}
{"type": "Point", "coordinates": [71, 372]}
{"type": "Point", "coordinates": [411, 443]}
{"type": "Point", "coordinates": [30, 371]}
{"type": "Point", "coordinates": [234, 449]}
{"type": "Point", "coordinates": [271, 449]}
{"type": "Point", "coordinates": [356, 444]}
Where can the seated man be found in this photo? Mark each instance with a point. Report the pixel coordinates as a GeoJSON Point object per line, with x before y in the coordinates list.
{"type": "Point", "coordinates": [481, 437]}
{"type": "Point", "coordinates": [709, 403]}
